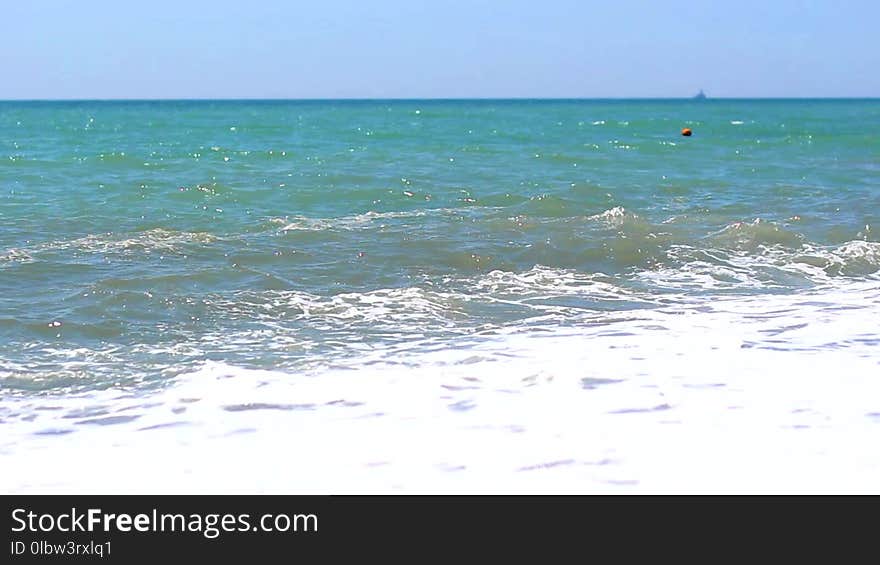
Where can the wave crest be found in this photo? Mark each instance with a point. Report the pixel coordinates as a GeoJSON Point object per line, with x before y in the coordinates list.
{"type": "Point", "coordinates": [158, 240]}
{"type": "Point", "coordinates": [753, 235]}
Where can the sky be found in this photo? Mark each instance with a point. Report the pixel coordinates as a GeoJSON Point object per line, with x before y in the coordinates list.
{"type": "Point", "coordinates": [88, 49]}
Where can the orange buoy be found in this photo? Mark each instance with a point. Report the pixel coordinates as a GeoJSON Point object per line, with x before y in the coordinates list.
{"type": "Point", "coordinates": [686, 132]}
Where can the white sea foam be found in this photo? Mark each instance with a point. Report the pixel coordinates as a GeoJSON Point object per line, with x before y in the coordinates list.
{"type": "Point", "coordinates": [156, 240]}
{"type": "Point", "coordinates": [14, 255]}
{"type": "Point", "coordinates": [771, 393]}
{"type": "Point", "coordinates": [771, 266]}
{"type": "Point", "coordinates": [367, 220]}
{"type": "Point", "coordinates": [613, 216]}
{"type": "Point", "coordinates": [546, 281]}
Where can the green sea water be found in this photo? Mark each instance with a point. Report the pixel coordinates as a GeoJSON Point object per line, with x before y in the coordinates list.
{"type": "Point", "coordinates": [145, 242]}
{"type": "Point", "coordinates": [161, 230]}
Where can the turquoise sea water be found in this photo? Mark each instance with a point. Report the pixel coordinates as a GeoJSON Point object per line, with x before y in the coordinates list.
{"type": "Point", "coordinates": [480, 246]}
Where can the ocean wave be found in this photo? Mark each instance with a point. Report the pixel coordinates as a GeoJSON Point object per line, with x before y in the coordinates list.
{"type": "Point", "coordinates": [755, 234]}
{"type": "Point", "coordinates": [453, 300]}
{"type": "Point", "coordinates": [788, 376]}
{"type": "Point", "coordinates": [60, 370]}
{"type": "Point", "coordinates": [545, 282]}
{"type": "Point", "coordinates": [400, 308]}
{"type": "Point", "coordinates": [14, 255]}
{"type": "Point", "coordinates": [548, 206]}
{"type": "Point", "coordinates": [853, 258]}
{"type": "Point", "coordinates": [367, 220]}
{"type": "Point", "coordinates": [156, 240]}
{"type": "Point", "coordinates": [613, 216]}
{"type": "Point", "coordinates": [765, 267]}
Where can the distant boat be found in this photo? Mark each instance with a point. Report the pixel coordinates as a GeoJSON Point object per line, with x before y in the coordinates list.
{"type": "Point", "coordinates": [700, 95]}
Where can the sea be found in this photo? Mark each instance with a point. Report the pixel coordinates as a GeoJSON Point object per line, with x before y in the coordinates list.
{"type": "Point", "coordinates": [440, 296]}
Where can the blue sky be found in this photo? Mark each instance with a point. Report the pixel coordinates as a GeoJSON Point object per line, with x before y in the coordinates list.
{"type": "Point", "coordinates": [438, 49]}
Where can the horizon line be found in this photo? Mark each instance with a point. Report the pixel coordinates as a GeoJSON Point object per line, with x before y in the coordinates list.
{"type": "Point", "coordinates": [437, 99]}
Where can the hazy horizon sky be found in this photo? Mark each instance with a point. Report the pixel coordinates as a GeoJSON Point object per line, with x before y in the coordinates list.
{"type": "Point", "coordinates": [60, 49]}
